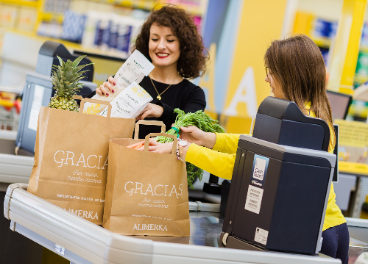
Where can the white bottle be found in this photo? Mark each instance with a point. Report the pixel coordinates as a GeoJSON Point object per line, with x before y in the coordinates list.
{"type": "Point", "coordinates": [124, 36]}
{"type": "Point", "coordinates": [114, 31]}
{"type": "Point", "coordinates": [89, 32]}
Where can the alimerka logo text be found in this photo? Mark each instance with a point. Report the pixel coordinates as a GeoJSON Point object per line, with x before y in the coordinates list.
{"type": "Point", "coordinates": [150, 227]}
{"type": "Point", "coordinates": [85, 214]}
{"type": "Point", "coordinates": [92, 161]}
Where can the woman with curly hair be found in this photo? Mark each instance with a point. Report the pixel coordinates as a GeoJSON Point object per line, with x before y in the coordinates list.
{"type": "Point", "coordinates": [170, 40]}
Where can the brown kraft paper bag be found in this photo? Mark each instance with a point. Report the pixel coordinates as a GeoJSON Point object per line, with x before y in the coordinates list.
{"type": "Point", "coordinates": [70, 162]}
{"type": "Point", "coordinates": [146, 192]}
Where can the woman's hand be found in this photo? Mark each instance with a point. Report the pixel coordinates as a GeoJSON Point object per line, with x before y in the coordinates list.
{"type": "Point", "coordinates": [193, 134]}
{"type": "Point", "coordinates": [164, 148]}
{"type": "Point", "coordinates": [151, 110]}
{"type": "Point", "coordinates": [107, 87]}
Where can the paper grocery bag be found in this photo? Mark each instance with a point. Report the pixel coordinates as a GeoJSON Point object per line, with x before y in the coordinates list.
{"type": "Point", "coordinates": [70, 162]}
{"type": "Point", "coordinates": [146, 192]}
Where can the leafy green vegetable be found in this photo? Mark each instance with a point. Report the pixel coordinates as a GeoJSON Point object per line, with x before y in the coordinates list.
{"type": "Point", "coordinates": [199, 119]}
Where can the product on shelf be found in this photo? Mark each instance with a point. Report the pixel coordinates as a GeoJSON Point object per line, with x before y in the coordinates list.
{"type": "Point", "coordinates": [362, 65]}
{"type": "Point", "coordinates": [114, 32]}
{"type": "Point", "coordinates": [358, 110]}
{"type": "Point", "coordinates": [50, 29]}
{"type": "Point", "coordinates": [56, 6]}
{"type": "Point", "coordinates": [110, 32]}
{"type": "Point", "coordinates": [27, 19]}
{"type": "Point", "coordinates": [89, 32]}
{"type": "Point", "coordinates": [8, 16]}
{"type": "Point", "coordinates": [73, 26]}
{"type": "Point", "coordinates": [364, 213]}
{"type": "Point", "coordinates": [324, 28]}
{"type": "Point", "coordinates": [364, 39]}
{"type": "Point", "coordinates": [323, 31]}
{"type": "Point", "coordinates": [128, 30]}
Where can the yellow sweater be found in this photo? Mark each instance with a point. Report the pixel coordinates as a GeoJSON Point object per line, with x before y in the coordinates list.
{"type": "Point", "coordinates": [220, 162]}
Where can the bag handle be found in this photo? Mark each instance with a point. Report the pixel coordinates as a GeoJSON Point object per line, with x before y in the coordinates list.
{"type": "Point", "coordinates": [175, 144]}
{"type": "Point", "coordinates": [94, 101]}
{"type": "Point", "coordinates": [149, 123]}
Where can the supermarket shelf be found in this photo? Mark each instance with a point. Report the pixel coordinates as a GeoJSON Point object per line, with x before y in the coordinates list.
{"type": "Point", "coordinates": [361, 93]}
{"type": "Point", "coordinates": [358, 78]}
{"type": "Point", "coordinates": [149, 5]}
{"type": "Point", "coordinates": [11, 89]}
{"type": "Point", "coordinates": [43, 39]}
{"type": "Point", "coordinates": [364, 49]}
{"type": "Point", "coordinates": [68, 44]}
{"type": "Point", "coordinates": [49, 16]}
{"type": "Point", "coordinates": [145, 5]}
{"type": "Point", "coordinates": [21, 2]}
{"type": "Point", "coordinates": [360, 111]}
{"type": "Point", "coordinates": [322, 42]}
{"type": "Point", "coordinates": [353, 168]}
{"type": "Point", "coordinates": [325, 42]}
{"type": "Point", "coordinates": [141, 4]}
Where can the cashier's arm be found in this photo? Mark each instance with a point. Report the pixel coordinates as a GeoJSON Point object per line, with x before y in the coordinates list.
{"type": "Point", "coordinates": [193, 134]}
{"type": "Point", "coordinates": [222, 142]}
{"type": "Point", "coordinates": [214, 161]}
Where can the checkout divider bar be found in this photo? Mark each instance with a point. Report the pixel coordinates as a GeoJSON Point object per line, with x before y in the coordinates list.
{"type": "Point", "coordinates": [74, 258]}
{"type": "Point", "coordinates": [84, 242]}
{"type": "Point", "coordinates": [15, 168]}
{"type": "Point", "coordinates": [357, 222]}
{"type": "Point", "coordinates": [204, 207]}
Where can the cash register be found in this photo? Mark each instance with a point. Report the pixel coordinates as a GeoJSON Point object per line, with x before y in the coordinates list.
{"type": "Point", "coordinates": [281, 181]}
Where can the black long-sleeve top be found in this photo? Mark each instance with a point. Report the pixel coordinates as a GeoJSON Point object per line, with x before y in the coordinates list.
{"type": "Point", "coordinates": [184, 95]}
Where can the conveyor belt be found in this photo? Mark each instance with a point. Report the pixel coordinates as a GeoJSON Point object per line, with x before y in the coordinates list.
{"type": "Point", "coordinates": [83, 242]}
{"type": "Point", "coordinates": [15, 168]}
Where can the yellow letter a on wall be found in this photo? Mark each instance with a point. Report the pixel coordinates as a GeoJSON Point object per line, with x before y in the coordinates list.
{"type": "Point", "coordinates": [245, 93]}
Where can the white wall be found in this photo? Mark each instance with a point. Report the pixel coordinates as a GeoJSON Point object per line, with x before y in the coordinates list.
{"type": "Point", "coordinates": [18, 55]}
{"type": "Point", "coordinates": [325, 9]}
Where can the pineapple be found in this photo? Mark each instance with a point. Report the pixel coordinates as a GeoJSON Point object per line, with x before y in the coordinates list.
{"type": "Point", "coordinates": [65, 79]}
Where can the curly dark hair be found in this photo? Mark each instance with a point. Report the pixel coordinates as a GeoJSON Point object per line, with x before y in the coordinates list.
{"type": "Point", "coordinates": [193, 54]}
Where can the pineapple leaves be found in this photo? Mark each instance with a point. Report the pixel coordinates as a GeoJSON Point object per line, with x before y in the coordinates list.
{"type": "Point", "coordinates": [65, 79]}
{"type": "Point", "coordinates": [60, 60]}
{"type": "Point", "coordinates": [78, 60]}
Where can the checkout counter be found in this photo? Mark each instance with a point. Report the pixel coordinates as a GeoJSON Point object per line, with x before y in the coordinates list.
{"type": "Point", "coordinates": [80, 241]}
